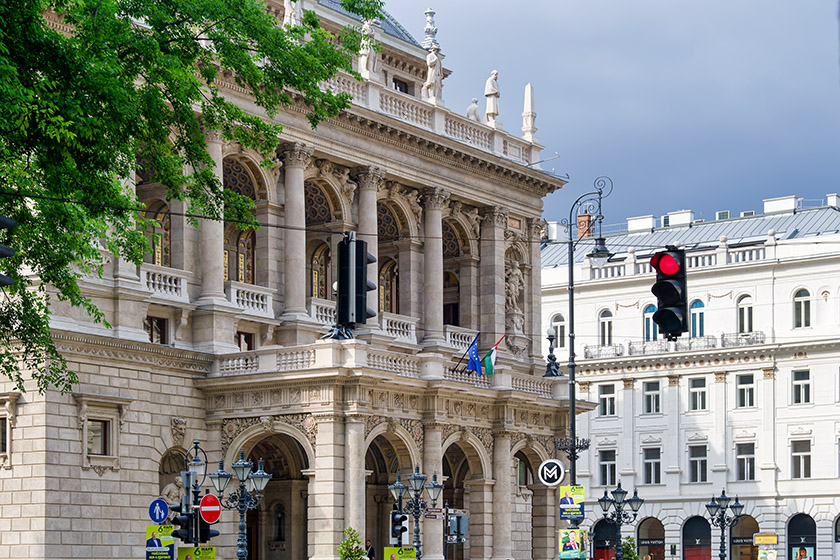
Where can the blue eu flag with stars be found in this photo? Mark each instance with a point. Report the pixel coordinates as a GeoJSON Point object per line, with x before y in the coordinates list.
{"type": "Point", "coordinates": [474, 362]}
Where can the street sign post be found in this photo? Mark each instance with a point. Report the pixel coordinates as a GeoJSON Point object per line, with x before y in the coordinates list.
{"type": "Point", "coordinates": [158, 511]}
{"type": "Point", "coordinates": [551, 472]}
{"type": "Point", "coordinates": [210, 508]}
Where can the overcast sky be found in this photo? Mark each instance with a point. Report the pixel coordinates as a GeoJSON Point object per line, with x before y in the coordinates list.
{"type": "Point", "coordinates": [686, 104]}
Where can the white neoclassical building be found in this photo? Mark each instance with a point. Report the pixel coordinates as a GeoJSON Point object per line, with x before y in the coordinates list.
{"type": "Point", "coordinates": [747, 401]}
{"type": "Point", "coordinates": [216, 337]}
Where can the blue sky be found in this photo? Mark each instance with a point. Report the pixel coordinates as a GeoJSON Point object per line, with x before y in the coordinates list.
{"type": "Point", "coordinates": [686, 104]}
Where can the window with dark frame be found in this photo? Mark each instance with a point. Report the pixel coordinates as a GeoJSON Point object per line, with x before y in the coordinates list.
{"type": "Point", "coordinates": [697, 463]}
{"type": "Point", "coordinates": [4, 441]}
{"type": "Point", "coordinates": [697, 394]}
{"type": "Point", "coordinates": [606, 398]}
{"type": "Point", "coordinates": [651, 397]}
{"type": "Point", "coordinates": [606, 463]}
{"type": "Point", "coordinates": [245, 341]}
{"type": "Point", "coordinates": [745, 461]}
{"type": "Point", "coordinates": [652, 459]}
{"type": "Point", "coordinates": [155, 327]}
{"type": "Point", "coordinates": [400, 85]}
{"type": "Point", "coordinates": [98, 437]}
{"type": "Point", "coordinates": [800, 458]}
{"type": "Point", "coordinates": [745, 388]}
{"type": "Point", "coordinates": [801, 387]}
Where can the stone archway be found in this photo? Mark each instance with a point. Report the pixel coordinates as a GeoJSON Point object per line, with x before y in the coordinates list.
{"type": "Point", "coordinates": [466, 487]}
{"type": "Point", "coordinates": [386, 455]}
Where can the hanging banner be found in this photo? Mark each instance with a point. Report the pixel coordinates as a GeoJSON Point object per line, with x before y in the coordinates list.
{"type": "Point", "coordinates": [399, 553]}
{"type": "Point", "coordinates": [766, 554]}
{"type": "Point", "coordinates": [572, 543]}
{"type": "Point", "coordinates": [802, 552]}
{"type": "Point", "coordinates": [197, 553]}
{"type": "Point", "coordinates": [571, 502]}
{"type": "Point", "coordinates": [159, 542]}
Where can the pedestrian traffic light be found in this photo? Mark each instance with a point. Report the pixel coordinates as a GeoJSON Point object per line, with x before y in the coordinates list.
{"type": "Point", "coordinates": [671, 292]}
{"type": "Point", "coordinates": [184, 523]}
{"type": "Point", "coordinates": [362, 284]}
{"type": "Point", "coordinates": [353, 285]}
{"type": "Point", "coordinates": [205, 533]}
{"type": "Point", "coordinates": [6, 223]}
{"type": "Point", "coordinates": [458, 526]}
{"type": "Point", "coordinates": [399, 525]}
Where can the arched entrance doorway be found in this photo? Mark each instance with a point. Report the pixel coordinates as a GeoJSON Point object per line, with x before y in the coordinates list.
{"type": "Point", "coordinates": [697, 539]}
{"type": "Point", "coordinates": [386, 455]}
{"type": "Point", "coordinates": [277, 529]}
{"type": "Point", "coordinates": [802, 535]}
{"type": "Point", "coordinates": [465, 487]}
{"type": "Point", "coordinates": [741, 546]}
{"type": "Point", "coordinates": [651, 539]}
{"type": "Point", "coordinates": [604, 538]}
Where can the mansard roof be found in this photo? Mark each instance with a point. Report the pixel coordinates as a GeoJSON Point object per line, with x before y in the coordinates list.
{"type": "Point", "coordinates": [388, 24]}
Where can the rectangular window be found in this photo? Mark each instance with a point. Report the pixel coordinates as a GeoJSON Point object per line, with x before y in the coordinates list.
{"type": "Point", "coordinates": [400, 85]}
{"type": "Point", "coordinates": [561, 336]}
{"type": "Point", "coordinates": [606, 462]}
{"type": "Point", "coordinates": [697, 394]}
{"type": "Point", "coordinates": [245, 341]}
{"type": "Point", "coordinates": [606, 398]}
{"type": "Point", "coordinates": [801, 387]}
{"type": "Point", "coordinates": [652, 465]}
{"type": "Point", "coordinates": [745, 460]}
{"type": "Point", "coordinates": [98, 437]}
{"type": "Point", "coordinates": [155, 327]}
{"type": "Point", "coordinates": [801, 459]}
{"type": "Point", "coordinates": [745, 387]}
{"type": "Point", "coordinates": [651, 397]}
{"type": "Point", "coordinates": [697, 463]}
{"type": "Point", "coordinates": [4, 442]}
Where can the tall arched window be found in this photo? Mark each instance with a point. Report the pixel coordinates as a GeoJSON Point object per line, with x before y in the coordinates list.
{"type": "Point", "coordinates": [697, 318]}
{"type": "Point", "coordinates": [558, 323]}
{"type": "Point", "coordinates": [389, 287]}
{"type": "Point", "coordinates": [239, 255]}
{"type": "Point", "coordinates": [320, 271]}
{"type": "Point", "coordinates": [802, 309]}
{"type": "Point", "coordinates": [651, 330]}
{"type": "Point", "coordinates": [745, 314]}
{"type": "Point", "coordinates": [605, 328]}
{"type": "Point", "coordinates": [160, 240]}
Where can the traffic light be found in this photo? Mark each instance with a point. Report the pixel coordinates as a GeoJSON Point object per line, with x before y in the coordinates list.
{"type": "Point", "coordinates": [205, 533]}
{"type": "Point", "coordinates": [6, 223]}
{"type": "Point", "coordinates": [362, 284]}
{"type": "Point", "coordinates": [399, 525]}
{"type": "Point", "coordinates": [458, 527]}
{"type": "Point", "coordinates": [184, 523]}
{"type": "Point", "coordinates": [353, 285]}
{"type": "Point", "coordinates": [671, 292]}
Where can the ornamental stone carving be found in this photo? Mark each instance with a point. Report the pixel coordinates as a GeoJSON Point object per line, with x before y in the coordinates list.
{"type": "Point", "coordinates": [435, 198]}
{"type": "Point", "coordinates": [496, 215]}
{"type": "Point", "coordinates": [233, 427]}
{"type": "Point", "coordinates": [298, 156]}
{"type": "Point", "coordinates": [178, 428]}
{"type": "Point", "coordinates": [369, 177]}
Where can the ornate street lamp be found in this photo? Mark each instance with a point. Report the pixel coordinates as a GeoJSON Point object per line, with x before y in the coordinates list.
{"type": "Point", "coordinates": [246, 497]}
{"type": "Point", "coordinates": [416, 505]}
{"type": "Point", "coordinates": [618, 516]}
{"type": "Point", "coordinates": [717, 509]}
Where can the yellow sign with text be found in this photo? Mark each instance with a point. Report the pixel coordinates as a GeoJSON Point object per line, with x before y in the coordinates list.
{"type": "Point", "coordinates": [400, 553]}
{"type": "Point", "coordinates": [159, 542]}
{"type": "Point", "coordinates": [197, 553]}
{"type": "Point", "coordinates": [759, 538]}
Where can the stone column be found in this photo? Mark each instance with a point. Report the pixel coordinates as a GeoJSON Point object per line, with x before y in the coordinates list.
{"type": "Point", "coordinates": [433, 201]}
{"type": "Point", "coordinates": [411, 265]}
{"type": "Point", "coordinates": [354, 473]}
{"type": "Point", "coordinates": [766, 467]}
{"type": "Point", "coordinates": [211, 234]}
{"type": "Point", "coordinates": [433, 464]}
{"type": "Point", "coordinates": [296, 159]}
{"type": "Point", "coordinates": [369, 179]}
{"type": "Point", "coordinates": [468, 304]}
{"type": "Point", "coordinates": [625, 409]}
{"type": "Point", "coordinates": [327, 489]}
{"type": "Point", "coordinates": [502, 491]}
{"type": "Point", "coordinates": [543, 506]}
{"type": "Point", "coordinates": [481, 528]}
{"type": "Point", "coordinates": [492, 275]}
{"type": "Point", "coordinates": [533, 298]}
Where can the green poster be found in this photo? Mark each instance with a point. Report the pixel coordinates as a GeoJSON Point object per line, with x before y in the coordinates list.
{"type": "Point", "coordinates": [572, 543]}
{"type": "Point", "coordinates": [399, 553]}
{"type": "Point", "coordinates": [197, 553]}
{"type": "Point", "coordinates": [159, 542]}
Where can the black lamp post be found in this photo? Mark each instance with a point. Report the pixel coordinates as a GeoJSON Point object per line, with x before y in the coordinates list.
{"type": "Point", "coordinates": [619, 516]}
{"type": "Point", "coordinates": [415, 504]}
{"type": "Point", "coordinates": [717, 509]}
{"type": "Point", "coordinates": [573, 445]}
{"type": "Point", "coordinates": [246, 497]}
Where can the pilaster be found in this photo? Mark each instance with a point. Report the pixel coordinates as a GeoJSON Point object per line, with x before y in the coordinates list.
{"type": "Point", "coordinates": [502, 496]}
{"type": "Point", "coordinates": [492, 275]}
{"type": "Point", "coordinates": [434, 200]}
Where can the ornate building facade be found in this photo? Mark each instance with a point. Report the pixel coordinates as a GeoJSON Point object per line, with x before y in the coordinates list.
{"type": "Point", "coordinates": [217, 338]}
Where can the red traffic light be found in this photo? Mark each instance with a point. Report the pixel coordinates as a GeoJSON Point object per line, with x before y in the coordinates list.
{"type": "Point", "coordinates": [666, 263]}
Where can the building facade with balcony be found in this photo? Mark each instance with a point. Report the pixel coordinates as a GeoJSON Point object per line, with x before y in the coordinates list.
{"type": "Point", "coordinates": [748, 400]}
{"type": "Point", "coordinates": [217, 337]}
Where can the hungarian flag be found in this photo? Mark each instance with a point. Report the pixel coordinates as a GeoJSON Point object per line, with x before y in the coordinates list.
{"type": "Point", "coordinates": [490, 358]}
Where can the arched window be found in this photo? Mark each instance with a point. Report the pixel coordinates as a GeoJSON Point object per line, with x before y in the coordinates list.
{"type": "Point", "coordinates": [605, 328]}
{"type": "Point", "coordinates": [451, 298]}
{"type": "Point", "coordinates": [389, 287]}
{"type": "Point", "coordinates": [320, 267]}
{"type": "Point", "coordinates": [159, 236]}
{"type": "Point", "coordinates": [745, 314]}
{"type": "Point", "coordinates": [239, 255]}
{"type": "Point", "coordinates": [651, 329]}
{"type": "Point", "coordinates": [802, 533]}
{"type": "Point", "coordinates": [697, 318]}
{"type": "Point", "coordinates": [697, 539]}
{"type": "Point", "coordinates": [558, 323]}
{"type": "Point", "coordinates": [802, 309]}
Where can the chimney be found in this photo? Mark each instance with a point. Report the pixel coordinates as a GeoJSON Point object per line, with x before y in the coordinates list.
{"type": "Point", "coordinates": [833, 200]}
{"type": "Point", "coordinates": [641, 223]}
{"type": "Point", "coordinates": [553, 231]}
{"type": "Point", "coordinates": [781, 204]}
{"type": "Point", "coordinates": [680, 218]}
{"type": "Point", "coordinates": [584, 226]}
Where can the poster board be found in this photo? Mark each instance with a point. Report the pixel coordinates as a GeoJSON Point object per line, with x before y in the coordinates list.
{"type": "Point", "coordinates": [571, 502]}
{"type": "Point", "coordinates": [572, 543]}
{"type": "Point", "coordinates": [159, 542]}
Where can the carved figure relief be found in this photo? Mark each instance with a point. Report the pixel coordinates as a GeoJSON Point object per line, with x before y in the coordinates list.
{"type": "Point", "coordinates": [178, 426]}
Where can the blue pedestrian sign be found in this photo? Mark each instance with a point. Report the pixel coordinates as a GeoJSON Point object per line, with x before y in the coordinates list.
{"type": "Point", "coordinates": [158, 510]}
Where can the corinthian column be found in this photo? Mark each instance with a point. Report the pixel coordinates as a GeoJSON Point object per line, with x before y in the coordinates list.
{"type": "Point", "coordinates": [433, 203]}
{"type": "Point", "coordinates": [369, 179]}
{"type": "Point", "coordinates": [502, 496]}
{"type": "Point", "coordinates": [295, 159]}
{"type": "Point", "coordinates": [211, 234]}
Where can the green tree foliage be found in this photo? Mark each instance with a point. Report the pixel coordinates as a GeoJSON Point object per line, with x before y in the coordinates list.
{"type": "Point", "coordinates": [629, 550]}
{"type": "Point", "coordinates": [114, 82]}
{"type": "Point", "coordinates": [351, 547]}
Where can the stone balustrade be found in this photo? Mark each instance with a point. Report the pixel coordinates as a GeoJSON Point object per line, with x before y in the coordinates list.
{"type": "Point", "coordinates": [165, 283]}
{"type": "Point", "coordinates": [401, 327]}
{"type": "Point", "coordinates": [322, 310]}
{"type": "Point", "coordinates": [458, 337]}
{"type": "Point", "coordinates": [254, 300]}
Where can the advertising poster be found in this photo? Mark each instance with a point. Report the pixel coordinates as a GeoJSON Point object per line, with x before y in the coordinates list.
{"type": "Point", "coordinates": [571, 502]}
{"type": "Point", "coordinates": [197, 553]}
{"type": "Point", "coordinates": [398, 553]}
{"type": "Point", "coordinates": [159, 542]}
{"type": "Point", "coordinates": [802, 552]}
{"type": "Point", "coordinates": [766, 554]}
{"type": "Point", "coordinates": [572, 543]}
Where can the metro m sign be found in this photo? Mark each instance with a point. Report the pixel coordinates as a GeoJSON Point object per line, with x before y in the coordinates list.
{"type": "Point", "coordinates": [551, 472]}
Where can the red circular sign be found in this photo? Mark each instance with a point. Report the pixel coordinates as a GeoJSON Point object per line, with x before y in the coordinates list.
{"type": "Point", "coordinates": [211, 509]}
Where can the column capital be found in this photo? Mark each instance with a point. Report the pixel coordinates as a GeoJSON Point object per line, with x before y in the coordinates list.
{"type": "Point", "coordinates": [536, 227]}
{"type": "Point", "coordinates": [214, 136]}
{"type": "Point", "coordinates": [369, 177]}
{"type": "Point", "coordinates": [297, 155]}
{"type": "Point", "coordinates": [769, 372]}
{"type": "Point", "coordinates": [628, 383]}
{"type": "Point", "coordinates": [720, 377]}
{"type": "Point", "coordinates": [673, 380]}
{"type": "Point", "coordinates": [495, 215]}
{"type": "Point", "coordinates": [435, 198]}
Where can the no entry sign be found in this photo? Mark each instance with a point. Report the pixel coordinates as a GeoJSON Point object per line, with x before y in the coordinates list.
{"type": "Point", "coordinates": [210, 508]}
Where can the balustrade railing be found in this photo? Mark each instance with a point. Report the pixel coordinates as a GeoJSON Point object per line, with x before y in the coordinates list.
{"type": "Point", "coordinates": [530, 384]}
{"type": "Point", "coordinates": [697, 343]}
{"type": "Point", "coordinates": [612, 351]}
{"type": "Point", "coordinates": [468, 131]}
{"type": "Point", "coordinates": [468, 377]}
{"type": "Point", "coordinates": [401, 327]}
{"type": "Point", "coordinates": [406, 108]}
{"type": "Point", "coordinates": [166, 283]}
{"type": "Point", "coordinates": [403, 365]}
{"type": "Point", "coordinates": [322, 310]}
{"type": "Point", "coordinates": [647, 347]}
{"type": "Point", "coordinates": [254, 300]}
{"type": "Point", "coordinates": [458, 337]}
{"type": "Point", "coordinates": [239, 364]}
{"type": "Point", "coordinates": [742, 339]}
{"type": "Point", "coordinates": [295, 358]}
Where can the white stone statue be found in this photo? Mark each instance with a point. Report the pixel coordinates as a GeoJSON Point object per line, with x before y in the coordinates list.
{"type": "Point", "coordinates": [491, 93]}
{"type": "Point", "coordinates": [369, 58]}
{"type": "Point", "coordinates": [293, 12]}
{"type": "Point", "coordinates": [172, 493]}
{"type": "Point", "coordinates": [473, 112]}
{"type": "Point", "coordinates": [433, 86]}
{"type": "Point", "coordinates": [513, 287]}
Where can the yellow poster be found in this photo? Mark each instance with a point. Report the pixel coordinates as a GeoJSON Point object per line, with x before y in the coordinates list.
{"type": "Point", "coordinates": [159, 542]}
{"type": "Point", "coordinates": [766, 554]}
{"type": "Point", "coordinates": [398, 553]}
{"type": "Point", "coordinates": [197, 553]}
{"type": "Point", "coordinates": [571, 502]}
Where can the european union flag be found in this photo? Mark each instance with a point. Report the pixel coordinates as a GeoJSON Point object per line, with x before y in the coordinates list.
{"type": "Point", "coordinates": [474, 362]}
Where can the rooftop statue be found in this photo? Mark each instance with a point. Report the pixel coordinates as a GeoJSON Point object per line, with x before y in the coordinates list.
{"type": "Point", "coordinates": [491, 93]}
{"type": "Point", "coordinates": [433, 86]}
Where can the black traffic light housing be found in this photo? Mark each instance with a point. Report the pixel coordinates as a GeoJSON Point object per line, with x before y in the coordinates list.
{"type": "Point", "coordinates": [458, 526]}
{"type": "Point", "coordinates": [671, 291]}
{"type": "Point", "coordinates": [184, 522]}
{"type": "Point", "coordinates": [398, 525]}
{"type": "Point", "coordinates": [6, 223]}
{"type": "Point", "coordinates": [353, 283]}
{"type": "Point", "coordinates": [205, 533]}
